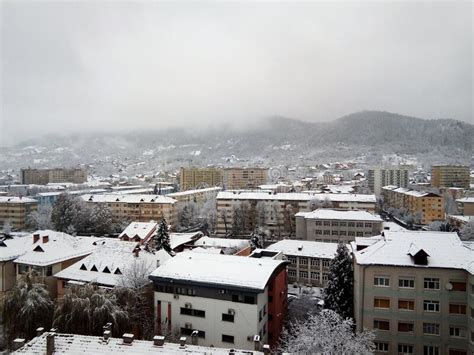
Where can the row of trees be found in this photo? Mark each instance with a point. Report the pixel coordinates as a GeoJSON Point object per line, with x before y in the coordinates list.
{"type": "Point", "coordinates": [72, 215]}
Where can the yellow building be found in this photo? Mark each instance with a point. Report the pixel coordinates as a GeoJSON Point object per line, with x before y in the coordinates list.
{"type": "Point", "coordinates": [416, 291]}
{"type": "Point", "coordinates": [427, 206]}
{"type": "Point", "coordinates": [245, 178]}
{"type": "Point", "coordinates": [58, 175]}
{"type": "Point", "coordinates": [139, 208]}
{"type": "Point", "coordinates": [14, 210]}
{"type": "Point", "coordinates": [194, 178]}
{"type": "Point", "coordinates": [450, 176]}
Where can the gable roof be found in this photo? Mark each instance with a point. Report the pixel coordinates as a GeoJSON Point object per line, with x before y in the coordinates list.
{"type": "Point", "coordinates": [141, 230]}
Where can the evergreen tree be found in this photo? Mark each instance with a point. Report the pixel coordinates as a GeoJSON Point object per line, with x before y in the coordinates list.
{"type": "Point", "coordinates": [162, 237]}
{"type": "Point", "coordinates": [256, 239]}
{"type": "Point", "coordinates": [26, 307]}
{"type": "Point", "coordinates": [338, 294]}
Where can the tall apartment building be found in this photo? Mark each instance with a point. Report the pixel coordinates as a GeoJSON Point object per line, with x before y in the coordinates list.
{"type": "Point", "coordinates": [195, 178]}
{"type": "Point", "coordinates": [465, 206]}
{"type": "Point", "coordinates": [14, 210]}
{"type": "Point", "coordinates": [427, 206]}
{"type": "Point", "coordinates": [416, 290]}
{"type": "Point", "coordinates": [276, 211]}
{"type": "Point", "coordinates": [197, 196]}
{"type": "Point", "coordinates": [450, 176]}
{"type": "Point", "coordinates": [333, 226]}
{"type": "Point", "coordinates": [309, 261]}
{"type": "Point", "coordinates": [226, 300]}
{"type": "Point", "coordinates": [46, 176]}
{"type": "Point", "coordinates": [383, 176]}
{"type": "Point", "coordinates": [245, 178]}
{"type": "Point", "coordinates": [138, 208]}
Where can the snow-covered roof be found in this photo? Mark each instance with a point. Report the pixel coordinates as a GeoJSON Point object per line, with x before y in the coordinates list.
{"type": "Point", "coordinates": [324, 213]}
{"type": "Point", "coordinates": [178, 239]}
{"type": "Point", "coordinates": [466, 200]}
{"type": "Point", "coordinates": [222, 242]}
{"type": "Point", "coordinates": [139, 229]}
{"type": "Point", "coordinates": [88, 344]}
{"type": "Point", "coordinates": [392, 226]}
{"type": "Point", "coordinates": [14, 199]}
{"type": "Point", "coordinates": [211, 250]}
{"type": "Point", "coordinates": [192, 192]}
{"type": "Point", "coordinates": [305, 248]}
{"type": "Point", "coordinates": [409, 192]}
{"type": "Point", "coordinates": [12, 248]}
{"type": "Point", "coordinates": [106, 265]}
{"type": "Point", "coordinates": [113, 197]}
{"type": "Point", "coordinates": [58, 247]}
{"type": "Point", "coordinates": [226, 195]}
{"type": "Point", "coordinates": [445, 250]}
{"type": "Point", "coordinates": [219, 270]}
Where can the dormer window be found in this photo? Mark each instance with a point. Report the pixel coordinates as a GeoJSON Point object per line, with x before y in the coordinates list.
{"type": "Point", "coordinates": [38, 248]}
{"type": "Point", "coordinates": [83, 267]}
{"type": "Point", "coordinates": [106, 270]}
{"type": "Point", "coordinates": [118, 272]}
{"type": "Point", "coordinates": [94, 268]}
{"type": "Point", "coordinates": [419, 256]}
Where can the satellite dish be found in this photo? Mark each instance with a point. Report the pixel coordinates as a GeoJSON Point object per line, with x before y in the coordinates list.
{"type": "Point", "coordinates": [449, 286]}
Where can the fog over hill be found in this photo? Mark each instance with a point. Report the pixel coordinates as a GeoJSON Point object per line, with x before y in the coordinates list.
{"type": "Point", "coordinates": [366, 136]}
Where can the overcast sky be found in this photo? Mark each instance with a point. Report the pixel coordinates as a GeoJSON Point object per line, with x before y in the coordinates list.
{"type": "Point", "coordinates": [86, 65]}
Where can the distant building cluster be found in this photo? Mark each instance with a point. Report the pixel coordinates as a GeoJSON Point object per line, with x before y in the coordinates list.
{"type": "Point", "coordinates": [57, 175]}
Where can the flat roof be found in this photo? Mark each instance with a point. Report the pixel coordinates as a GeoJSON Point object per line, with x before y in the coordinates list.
{"type": "Point", "coordinates": [226, 195]}
{"type": "Point", "coordinates": [305, 248]}
{"type": "Point", "coordinates": [113, 197]}
{"type": "Point", "coordinates": [330, 214]}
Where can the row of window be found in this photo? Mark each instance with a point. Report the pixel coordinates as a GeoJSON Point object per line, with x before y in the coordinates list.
{"type": "Point", "coordinates": [312, 261]}
{"type": "Point", "coordinates": [341, 233]}
{"type": "Point", "coordinates": [304, 275]}
{"type": "Point", "coordinates": [343, 224]}
{"type": "Point", "coordinates": [428, 305]}
{"type": "Point", "coordinates": [429, 283]}
{"type": "Point", "coordinates": [428, 328]}
{"type": "Point", "coordinates": [407, 349]}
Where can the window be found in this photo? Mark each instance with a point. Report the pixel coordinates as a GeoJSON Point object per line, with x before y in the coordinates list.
{"type": "Point", "coordinates": [249, 299]}
{"type": "Point", "coordinates": [459, 286]}
{"type": "Point", "coordinates": [188, 332]}
{"type": "Point", "coordinates": [351, 233]}
{"type": "Point", "coordinates": [227, 338]}
{"type": "Point", "coordinates": [360, 234]}
{"type": "Point", "coordinates": [292, 259]}
{"type": "Point", "coordinates": [326, 223]}
{"type": "Point", "coordinates": [315, 275]}
{"type": "Point", "coordinates": [325, 276]}
{"type": "Point", "coordinates": [304, 274]}
{"type": "Point", "coordinates": [326, 263]}
{"type": "Point", "coordinates": [342, 224]}
{"type": "Point", "coordinates": [314, 262]}
{"type": "Point", "coordinates": [407, 305]}
{"type": "Point", "coordinates": [303, 261]}
{"type": "Point", "coordinates": [405, 349]}
{"type": "Point", "coordinates": [431, 283]}
{"type": "Point", "coordinates": [49, 270]}
{"type": "Point", "coordinates": [406, 283]}
{"type": "Point", "coordinates": [351, 224]}
{"type": "Point", "coordinates": [405, 327]}
{"type": "Point", "coordinates": [359, 225]}
{"type": "Point", "coordinates": [381, 281]}
{"type": "Point", "coordinates": [381, 347]}
{"type": "Point", "coordinates": [381, 324]}
{"type": "Point", "coordinates": [431, 328]}
{"type": "Point", "coordinates": [319, 231]}
{"type": "Point", "coordinates": [334, 233]}
{"type": "Point", "coordinates": [227, 317]}
{"type": "Point", "coordinates": [457, 352]}
{"type": "Point", "coordinates": [327, 232]}
{"type": "Point", "coordinates": [457, 332]}
{"type": "Point", "coordinates": [431, 306]}
{"type": "Point", "coordinates": [193, 312]}
{"type": "Point", "coordinates": [335, 223]}
{"type": "Point", "coordinates": [381, 303]}
{"type": "Point", "coordinates": [457, 308]}
{"type": "Point", "coordinates": [368, 225]}
{"type": "Point", "coordinates": [319, 223]}
{"type": "Point", "coordinates": [264, 309]}
{"type": "Point", "coordinates": [342, 233]}
{"type": "Point", "coordinates": [430, 350]}
{"type": "Point", "coordinates": [260, 316]}
{"type": "Point", "coordinates": [292, 273]}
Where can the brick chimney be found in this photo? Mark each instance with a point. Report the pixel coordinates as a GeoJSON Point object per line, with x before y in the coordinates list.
{"type": "Point", "coordinates": [39, 331]}
{"type": "Point", "coordinates": [182, 342]}
{"type": "Point", "coordinates": [36, 237]}
{"type": "Point", "coordinates": [256, 342]}
{"type": "Point", "coordinates": [45, 239]}
{"type": "Point", "coordinates": [50, 343]}
{"type": "Point", "coordinates": [159, 340]}
{"type": "Point", "coordinates": [266, 349]}
{"type": "Point", "coordinates": [18, 343]}
{"type": "Point", "coordinates": [127, 338]}
{"type": "Point", "coordinates": [194, 337]}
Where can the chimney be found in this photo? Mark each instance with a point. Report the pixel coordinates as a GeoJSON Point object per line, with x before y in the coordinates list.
{"type": "Point", "coordinates": [127, 338]}
{"type": "Point", "coordinates": [50, 343]}
{"type": "Point", "coordinates": [106, 335]}
{"type": "Point", "coordinates": [194, 337]}
{"type": "Point", "coordinates": [36, 237]}
{"type": "Point", "coordinates": [39, 331]}
{"type": "Point", "coordinates": [18, 343]}
{"type": "Point", "coordinates": [159, 340]}
{"type": "Point", "coordinates": [45, 239]}
{"type": "Point", "coordinates": [266, 349]}
{"type": "Point", "coordinates": [136, 251]}
{"type": "Point", "coordinates": [107, 326]}
{"type": "Point", "coordinates": [53, 330]}
{"type": "Point", "coordinates": [182, 342]}
{"type": "Point", "coordinates": [256, 342]}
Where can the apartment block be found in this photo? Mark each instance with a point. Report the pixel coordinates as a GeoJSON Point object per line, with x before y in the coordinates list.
{"type": "Point", "coordinates": [416, 290]}
{"type": "Point", "coordinates": [197, 196]}
{"type": "Point", "coordinates": [196, 178]}
{"type": "Point", "coordinates": [139, 208]}
{"type": "Point", "coordinates": [226, 301]}
{"type": "Point", "coordinates": [57, 175]}
{"type": "Point", "coordinates": [383, 176]}
{"type": "Point", "coordinates": [245, 178]}
{"type": "Point", "coordinates": [309, 261]}
{"type": "Point", "coordinates": [276, 211]}
{"type": "Point", "coordinates": [465, 206]}
{"type": "Point", "coordinates": [450, 176]}
{"type": "Point", "coordinates": [427, 206]}
{"type": "Point", "coordinates": [334, 226]}
{"type": "Point", "coordinates": [14, 210]}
